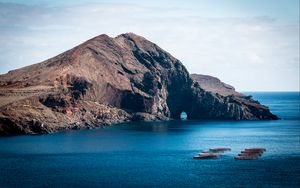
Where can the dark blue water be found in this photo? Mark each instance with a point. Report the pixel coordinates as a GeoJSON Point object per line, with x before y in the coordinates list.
{"type": "Point", "coordinates": [159, 154]}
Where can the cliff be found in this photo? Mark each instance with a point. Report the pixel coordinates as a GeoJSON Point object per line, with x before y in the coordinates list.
{"type": "Point", "coordinates": [109, 80]}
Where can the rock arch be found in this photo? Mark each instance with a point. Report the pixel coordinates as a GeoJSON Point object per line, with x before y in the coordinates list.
{"type": "Point", "coordinates": [183, 115]}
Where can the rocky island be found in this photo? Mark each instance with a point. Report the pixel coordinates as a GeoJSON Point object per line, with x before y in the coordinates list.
{"type": "Point", "coordinates": [109, 80]}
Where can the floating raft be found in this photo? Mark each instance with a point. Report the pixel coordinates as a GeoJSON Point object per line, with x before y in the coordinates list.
{"type": "Point", "coordinates": [206, 156]}
{"type": "Point", "coordinates": [213, 153]}
{"type": "Point", "coordinates": [245, 157]}
{"type": "Point", "coordinates": [250, 154]}
{"type": "Point", "coordinates": [256, 149]}
{"type": "Point", "coordinates": [219, 150]}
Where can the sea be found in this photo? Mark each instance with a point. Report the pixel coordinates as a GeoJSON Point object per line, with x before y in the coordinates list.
{"type": "Point", "coordinates": [160, 154]}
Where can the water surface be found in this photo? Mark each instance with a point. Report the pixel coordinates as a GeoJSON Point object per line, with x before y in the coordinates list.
{"type": "Point", "coordinates": [153, 154]}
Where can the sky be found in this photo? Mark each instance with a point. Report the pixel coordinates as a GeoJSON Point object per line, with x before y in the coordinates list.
{"type": "Point", "coordinates": [250, 44]}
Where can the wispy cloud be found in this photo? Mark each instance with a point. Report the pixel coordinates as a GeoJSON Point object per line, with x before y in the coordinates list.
{"type": "Point", "coordinates": [250, 52]}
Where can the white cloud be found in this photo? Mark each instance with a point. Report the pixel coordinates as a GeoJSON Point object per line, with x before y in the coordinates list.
{"type": "Point", "coordinates": [251, 53]}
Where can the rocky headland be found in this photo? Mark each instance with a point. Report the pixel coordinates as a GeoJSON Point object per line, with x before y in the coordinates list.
{"type": "Point", "coordinates": [215, 85]}
{"type": "Point", "coordinates": [109, 80]}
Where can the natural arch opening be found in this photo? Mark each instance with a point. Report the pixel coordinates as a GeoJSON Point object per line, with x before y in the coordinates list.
{"type": "Point", "coordinates": [183, 116]}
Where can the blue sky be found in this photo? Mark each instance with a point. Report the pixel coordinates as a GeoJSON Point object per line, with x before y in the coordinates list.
{"type": "Point", "coordinates": [250, 44]}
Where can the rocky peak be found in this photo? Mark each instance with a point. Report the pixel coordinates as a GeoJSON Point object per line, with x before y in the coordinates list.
{"type": "Point", "coordinates": [108, 80]}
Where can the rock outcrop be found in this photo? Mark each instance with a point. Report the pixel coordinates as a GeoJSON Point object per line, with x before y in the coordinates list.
{"type": "Point", "coordinates": [109, 80]}
{"type": "Point", "coordinates": [215, 85]}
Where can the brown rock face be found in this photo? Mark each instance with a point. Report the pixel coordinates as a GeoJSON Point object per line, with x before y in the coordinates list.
{"type": "Point", "coordinates": [228, 103]}
{"type": "Point", "coordinates": [215, 85]}
{"type": "Point", "coordinates": [108, 80]}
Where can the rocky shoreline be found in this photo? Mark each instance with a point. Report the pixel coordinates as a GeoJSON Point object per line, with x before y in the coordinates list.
{"type": "Point", "coordinates": [110, 80]}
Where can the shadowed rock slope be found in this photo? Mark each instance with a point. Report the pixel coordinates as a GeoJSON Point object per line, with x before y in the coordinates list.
{"type": "Point", "coordinates": [109, 80]}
